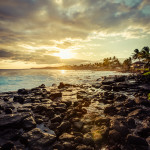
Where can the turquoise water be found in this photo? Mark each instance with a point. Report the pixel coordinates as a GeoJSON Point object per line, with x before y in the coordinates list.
{"type": "Point", "coordinates": [12, 80]}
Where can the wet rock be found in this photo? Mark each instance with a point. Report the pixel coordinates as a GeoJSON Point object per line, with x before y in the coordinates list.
{"type": "Point", "coordinates": [121, 98]}
{"type": "Point", "coordinates": [142, 101]}
{"type": "Point", "coordinates": [106, 87]}
{"type": "Point", "coordinates": [78, 125]}
{"type": "Point", "coordinates": [14, 120]}
{"type": "Point", "coordinates": [23, 109]}
{"type": "Point", "coordinates": [19, 99]}
{"type": "Point", "coordinates": [8, 146]}
{"type": "Point", "coordinates": [117, 125]}
{"type": "Point", "coordinates": [61, 85]}
{"type": "Point", "coordinates": [54, 125]}
{"type": "Point", "coordinates": [42, 86]}
{"type": "Point", "coordinates": [78, 139]}
{"type": "Point", "coordinates": [68, 145]}
{"type": "Point", "coordinates": [108, 81]}
{"type": "Point", "coordinates": [66, 137]}
{"type": "Point", "coordinates": [88, 139]}
{"type": "Point", "coordinates": [114, 136]}
{"type": "Point", "coordinates": [58, 146]}
{"type": "Point", "coordinates": [110, 110]}
{"type": "Point", "coordinates": [99, 134]}
{"type": "Point", "coordinates": [97, 85]}
{"type": "Point", "coordinates": [129, 103]}
{"type": "Point", "coordinates": [131, 123]}
{"type": "Point", "coordinates": [56, 119]}
{"type": "Point", "coordinates": [22, 91]}
{"type": "Point", "coordinates": [136, 140]}
{"type": "Point", "coordinates": [29, 123]}
{"type": "Point", "coordinates": [84, 147]}
{"type": "Point", "coordinates": [102, 121]}
{"type": "Point", "coordinates": [8, 111]}
{"type": "Point", "coordinates": [55, 94]}
{"type": "Point", "coordinates": [64, 126]}
{"type": "Point", "coordinates": [144, 132]}
{"type": "Point", "coordinates": [36, 139]}
{"type": "Point", "coordinates": [135, 112]}
{"type": "Point", "coordinates": [9, 135]}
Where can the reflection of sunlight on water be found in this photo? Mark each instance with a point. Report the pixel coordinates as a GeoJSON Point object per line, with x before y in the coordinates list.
{"type": "Point", "coordinates": [63, 71]}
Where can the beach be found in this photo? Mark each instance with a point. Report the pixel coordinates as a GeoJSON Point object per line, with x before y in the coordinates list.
{"type": "Point", "coordinates": [112, 113]}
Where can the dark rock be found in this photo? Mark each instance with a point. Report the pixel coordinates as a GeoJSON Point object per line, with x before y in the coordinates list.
{"type": "Point", "coordinates": [102, 121]}
{"type": "Point", "coordinates": [106, 87]}
{"type": "Point", "coordinates": [42, 86]}
{"type": "Point", "coordinates": [7, 146]}
{"type": "Point", "coordinates": [110, 110]}
{"type": "Point", "coordinates": [22, 91]}
{"type": "Point", "coordinates": [55, 94]}
{"type": "Point", "coordinates": [66, 137]}
{"type": "Point", "coordinates": [36, 139]}
{"type": "Point", "coordinates": [121, 98]}
{"type": "Point", "coordinates": [142, 101]}
{"type": "Point", "coordinates": [144, 132]}
{"type": "Point", "coordinates": [78, 139]}
{"type": "Point", "coordinates": [19, 99]}
{"type": "Point", "coordinates": [135, 112]}
{"type": "Point", "coordinates": [108, 81]}
{"type": "Point", "coordinates": [64, 126]}
{"type": "Point", "coordinates": [88, 139]}
{"type": "Point", "coordinates": [14, 120]}
{"type": "Point", "coordinates": [58, 146]}
{"type": "Point", "coordinates": [136, 140]}
{"type": "Point", "coordinates": [8, 111]}
{"type": "Point", "coordinates": [29, 123]}
{"type": "Point", "coordinates": [68, 145]}
{"type": "Point", "coordinates": [61, 85]}
{"type": "Point", "coordinates": [84, 147]}
{"type": "Point", "coordinates": [131, 123]}
{"type": "Point", "coordinates": [54, 125]}
{"type": "Point", "coordinates": [114, 136]}
{"type": "Point", "coordinates": [56, 119]}
{"type": "Point", "coordinates": [78, 125]}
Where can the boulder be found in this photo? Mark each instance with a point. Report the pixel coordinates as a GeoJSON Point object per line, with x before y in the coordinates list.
{"type": "Point", "coordinates": [78, 125]}
{"type": "Point", "coordinates": [66, 137]}
{"type": "Point", "coordinates": [19, 99]}
{"type": "Point", "coordinates": [36, 139]}
{"type": "Point", "coordinates": [136, 140]}
{"type": "Point", "coordinates": [23, 91]}
{"type": "Point", "coordinates": [64, 126]}
{"type": "Point", "coordinates": [84, 147]}
{"type": "Point", "coordinates": [12, 120]}
{"type": "Point", "coordinates": [29, 123]}
{"type": "Point", "coordinates": [110, 110]}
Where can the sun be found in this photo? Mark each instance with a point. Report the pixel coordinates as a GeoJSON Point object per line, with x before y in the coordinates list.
{"type": "Point", "coordinates": [64, 54]}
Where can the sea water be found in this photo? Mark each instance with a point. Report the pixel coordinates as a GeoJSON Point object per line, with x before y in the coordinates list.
{"type": "Point", "coordinates": [12, 80]}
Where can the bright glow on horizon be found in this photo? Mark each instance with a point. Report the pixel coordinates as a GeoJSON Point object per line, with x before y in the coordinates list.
{"type": "Point", "coordinates": [64, 54]}
{"type": "Point", "coordinates": [63, 71]}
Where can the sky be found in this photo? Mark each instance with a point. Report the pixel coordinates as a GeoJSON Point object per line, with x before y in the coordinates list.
{"type": "Point", "coordinates": [39, 33]}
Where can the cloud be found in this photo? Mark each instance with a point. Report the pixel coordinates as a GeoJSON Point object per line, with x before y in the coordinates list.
{"type": "Point", "coordinates": [40, 24]}
{"type": "Point", "coordinates": [38, 57]}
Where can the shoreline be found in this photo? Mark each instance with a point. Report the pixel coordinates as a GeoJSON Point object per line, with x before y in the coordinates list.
{"type": "Point", "coordinates": [110, 114]}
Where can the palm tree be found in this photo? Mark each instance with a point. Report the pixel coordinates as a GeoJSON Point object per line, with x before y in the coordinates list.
{"type": "Point", "coordinates": [127, 63]}
{"type": "Point", "coordinates": [136, 54]}
{"type": "Point", "coordinates": [145, 55]}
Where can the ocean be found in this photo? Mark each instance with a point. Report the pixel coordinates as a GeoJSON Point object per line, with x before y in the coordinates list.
{"type": "Point", "coordinates": [13, 79]}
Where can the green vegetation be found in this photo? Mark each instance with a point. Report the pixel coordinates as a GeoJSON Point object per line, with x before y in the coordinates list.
{"type": "Point", "coordinates": [149, 96]}
{"type": "Point", "coordinates": [147, 74]}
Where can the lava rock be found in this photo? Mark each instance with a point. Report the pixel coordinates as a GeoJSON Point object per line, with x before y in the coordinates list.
{"type": "Point", "coordinates": [36, 139]}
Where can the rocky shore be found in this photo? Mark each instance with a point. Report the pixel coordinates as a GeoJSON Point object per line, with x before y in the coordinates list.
{"type": "Point", "coordinates": [111, 114]}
